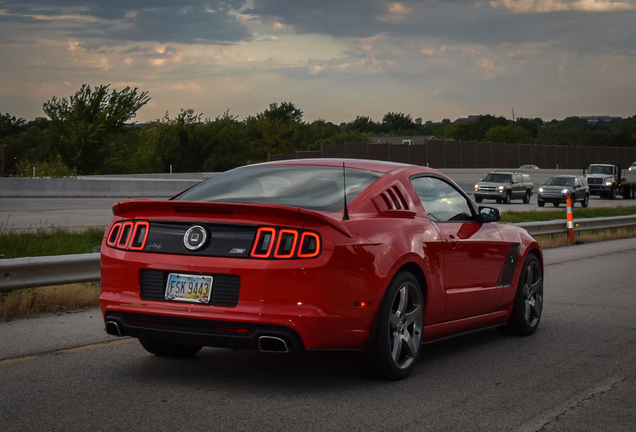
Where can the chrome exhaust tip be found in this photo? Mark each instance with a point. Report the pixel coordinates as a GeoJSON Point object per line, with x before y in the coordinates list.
{"type": "Point", "coordinates": [112, 328]}
{"type": "Point", "coordinates": [272, 344]}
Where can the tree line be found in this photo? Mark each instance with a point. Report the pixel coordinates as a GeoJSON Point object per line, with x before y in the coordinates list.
{"type": "Point", "coordinates": [90, 132]}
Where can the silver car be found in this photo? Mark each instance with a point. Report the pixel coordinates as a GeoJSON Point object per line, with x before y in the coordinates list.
{"type": "Point", "coordinates": [503, 186]}
{"type": "Point", "coordinates": [557, 188]}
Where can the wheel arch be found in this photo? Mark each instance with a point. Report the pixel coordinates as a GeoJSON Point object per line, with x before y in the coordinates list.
{"type": "Point", "coordinates": [416, 270]}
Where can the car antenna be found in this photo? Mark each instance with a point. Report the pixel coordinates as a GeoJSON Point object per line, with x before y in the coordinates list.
{"type": "Point", "coordinates": [344, 182]}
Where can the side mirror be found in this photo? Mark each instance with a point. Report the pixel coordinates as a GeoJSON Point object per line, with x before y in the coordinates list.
{"type": "Point", "coordinates": [481, 179]}
{"type": "Point", "coordinates": [489, 214]}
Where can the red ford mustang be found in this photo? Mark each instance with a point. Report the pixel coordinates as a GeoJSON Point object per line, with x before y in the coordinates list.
{"type": "Point", "coordinates": [317, 254]}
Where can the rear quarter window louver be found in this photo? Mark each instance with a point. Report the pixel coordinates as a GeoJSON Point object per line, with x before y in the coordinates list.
{"type": "Point", "coordinates": [395, 200]}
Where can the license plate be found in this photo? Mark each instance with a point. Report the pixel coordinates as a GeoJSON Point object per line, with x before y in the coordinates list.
{"type": "Point", "coordinates": [189, 288]}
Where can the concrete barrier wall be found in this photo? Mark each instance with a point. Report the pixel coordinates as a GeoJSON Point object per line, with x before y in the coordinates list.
{"type": "Point", "coordinates": [93, 188]}
{"type": "Point", "coordinates": [166, 185]}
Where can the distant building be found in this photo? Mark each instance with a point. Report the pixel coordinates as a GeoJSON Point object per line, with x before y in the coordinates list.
{"type": "Point", "coordinates": [407, 140]}
{"type": "Point", "coordinates": [469, 119]}
{"type": "Point", "coordinates": [600, 119]}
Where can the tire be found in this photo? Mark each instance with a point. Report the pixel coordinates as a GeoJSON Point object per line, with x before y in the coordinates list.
{"type": "Point", "coordinates": [398, 339]}
{"type": "Point", "coordinates": [507, 198]}
{"type": "Point", "coordinates": [528, 303]}
{"type": "Point", "coordinates": [164, 349]}
{"type": "Point", "coordinates": [498, 200]}
{"type": "Point", "coordinates": [526, 198]}
{"type": "Point", "coordinates": [586, 201]}
{"type": "Point", "coordinates": [626, 192]}
{"type": "Point", "coordinates": [478, 199]}
{"type": "Point", "coordinates": [541, 203]}
{"type": "Point", "coordinates": [556, 204]}
{"type": "Point", "coordinates": [612, 193]}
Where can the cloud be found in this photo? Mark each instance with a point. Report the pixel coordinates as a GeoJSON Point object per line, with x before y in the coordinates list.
{"type": "Point", "coordinates": [571, 25]}
{"type": "Point", "coordinates": [179, 21]}
{"type": "Point", "coordinates": [543, 6]}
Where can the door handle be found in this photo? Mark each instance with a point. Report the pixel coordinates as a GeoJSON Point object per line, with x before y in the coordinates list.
{"type": "Point", "coordinates": [452, 241]}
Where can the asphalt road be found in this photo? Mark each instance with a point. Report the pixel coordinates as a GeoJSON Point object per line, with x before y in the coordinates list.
{"type": "Point", "coordinates": [24, 214]}
{"type": "Point", "coordinates": [578, 372]}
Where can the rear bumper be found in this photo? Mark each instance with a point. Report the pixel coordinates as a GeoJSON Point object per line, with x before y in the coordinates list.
{"type": "Point", "coordinates": [312, 305]}
{"type": "Point", "coordinates": [198, 332]}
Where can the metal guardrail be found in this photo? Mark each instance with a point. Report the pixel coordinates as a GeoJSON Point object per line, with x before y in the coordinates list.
{"type": "Point", "coordinates": [17, 273]}
{"type": "Point", "coordinates": [559, 226]}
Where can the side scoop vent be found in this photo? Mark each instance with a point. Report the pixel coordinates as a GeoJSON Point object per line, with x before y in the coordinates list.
{"type": "Point", "coordinates": [395, 200]}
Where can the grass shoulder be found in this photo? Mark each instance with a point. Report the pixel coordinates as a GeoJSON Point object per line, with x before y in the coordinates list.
{"type": "Point", "coordinates": [46, 242]}
{"type": "Point", "coordinates": [577, 212]}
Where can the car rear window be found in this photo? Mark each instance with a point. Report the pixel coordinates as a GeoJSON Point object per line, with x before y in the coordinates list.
{"type": "Point", "coordinates": [304, 186]}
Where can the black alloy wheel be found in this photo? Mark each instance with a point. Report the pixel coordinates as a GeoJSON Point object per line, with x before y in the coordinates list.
{"type": "Point", "coordinates": [398, 339]}
{"type": "Point", "coordinates": [528, 303]}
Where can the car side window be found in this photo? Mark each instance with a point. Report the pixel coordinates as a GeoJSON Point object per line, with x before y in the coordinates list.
{"type": "Point", "coordinates": [441, 201]}
{"type": "Point", "coordinates": [577, 183]}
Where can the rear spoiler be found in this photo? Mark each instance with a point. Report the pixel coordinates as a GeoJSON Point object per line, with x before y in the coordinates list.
{"type": "Point", "coordinates": [267, 210]}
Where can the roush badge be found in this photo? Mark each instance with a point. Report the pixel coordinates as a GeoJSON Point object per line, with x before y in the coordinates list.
{"type": "Point", "coordinates": [195, 238]}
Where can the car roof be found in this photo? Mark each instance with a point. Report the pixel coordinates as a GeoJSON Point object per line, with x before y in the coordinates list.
{"type": "Point", "coordinates": [366, 164]}
{"type": "Point", "coordinates": [507, 172]}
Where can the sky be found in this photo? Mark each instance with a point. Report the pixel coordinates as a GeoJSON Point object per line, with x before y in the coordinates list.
{"type": "Point", "coordinates": [334, 59]}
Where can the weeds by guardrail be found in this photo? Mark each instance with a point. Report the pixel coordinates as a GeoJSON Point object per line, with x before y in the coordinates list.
{"type": "Point", "coordinates": [17, 273]}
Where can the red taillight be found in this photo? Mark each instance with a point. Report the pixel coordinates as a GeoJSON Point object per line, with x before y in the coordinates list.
{"type": "Point", "coordinates": [126, 229]}
{"type": "Point", "coordinates": [285, 243]}
{"type": "Point", "coordinates": [309, 245]}
{"type": "Point", "coordinates": [114, 235]}
{"type": "Point", "coordinates": [140, 234]}
{"type": "Point", "coordinates": [128, 235]}
{"type": "Point", "coordinates": [264, 242]}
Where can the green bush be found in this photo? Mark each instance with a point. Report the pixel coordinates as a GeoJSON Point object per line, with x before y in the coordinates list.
{"type": "Point", "coordinates": [53, 168]}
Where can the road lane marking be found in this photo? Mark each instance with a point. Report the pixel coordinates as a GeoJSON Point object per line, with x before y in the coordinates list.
{"type": "Point", "coordinates": [65, 351]}
{"type": "Point", "coordinates": [551, 415]}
